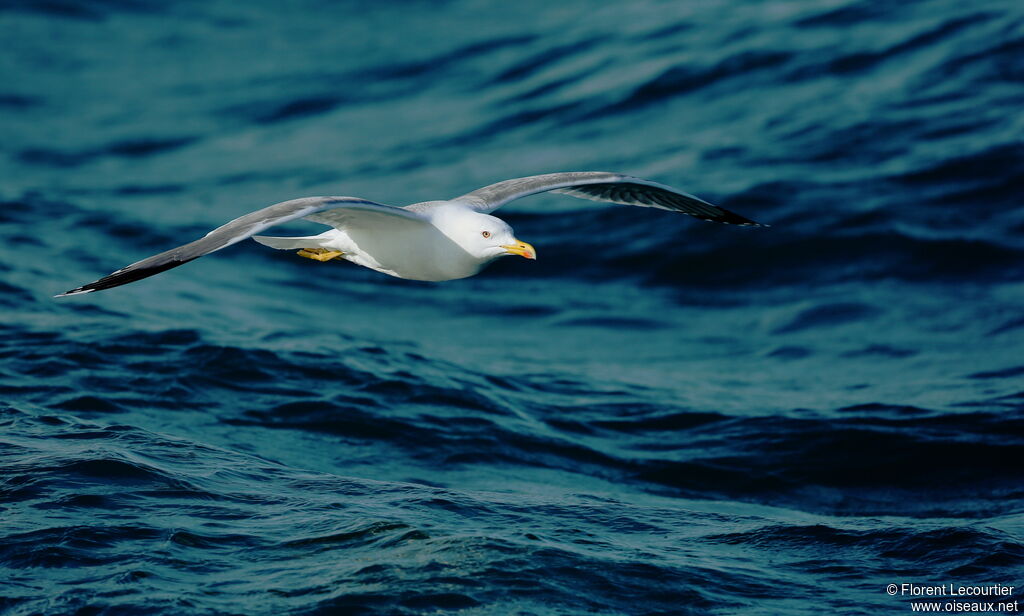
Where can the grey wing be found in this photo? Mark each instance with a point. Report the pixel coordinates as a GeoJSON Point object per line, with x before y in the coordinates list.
{"type": "Point", "coordinates": [236, 231]}
{"type": "Point", "coordinates": [602, 186]}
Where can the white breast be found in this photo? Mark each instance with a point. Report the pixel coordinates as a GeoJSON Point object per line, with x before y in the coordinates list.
{"type": "Point", "coordinates": [414, 253]}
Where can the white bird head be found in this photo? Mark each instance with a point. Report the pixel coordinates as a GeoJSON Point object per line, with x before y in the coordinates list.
{"type": "Point", "coordinates": [483, 236]}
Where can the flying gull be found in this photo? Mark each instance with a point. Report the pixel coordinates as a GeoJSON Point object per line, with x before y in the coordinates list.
{"type": "Point", "coordinates": [432, 241]}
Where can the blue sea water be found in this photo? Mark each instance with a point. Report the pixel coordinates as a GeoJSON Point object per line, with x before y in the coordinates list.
{"type": "Point", "coordinates": [659, 416]}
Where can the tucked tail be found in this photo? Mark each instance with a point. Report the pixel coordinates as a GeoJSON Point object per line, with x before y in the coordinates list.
{"type": "Point", "coordinates": [290, 243]}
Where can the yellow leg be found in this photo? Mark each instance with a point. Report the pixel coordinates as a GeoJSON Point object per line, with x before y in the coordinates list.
{"type": "Point", "coordinates": [320, 254]}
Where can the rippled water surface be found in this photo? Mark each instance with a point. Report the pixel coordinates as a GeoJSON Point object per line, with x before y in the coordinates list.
{"type": "Point", "coordinates": [659, 416]}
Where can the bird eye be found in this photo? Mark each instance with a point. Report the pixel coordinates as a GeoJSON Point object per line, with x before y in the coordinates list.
{"type": "Point", "coordinates": [486, 234]}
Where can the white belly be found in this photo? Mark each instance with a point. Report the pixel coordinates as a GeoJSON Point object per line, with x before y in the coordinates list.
{"type": "Point", "coordinates": [414, 254]}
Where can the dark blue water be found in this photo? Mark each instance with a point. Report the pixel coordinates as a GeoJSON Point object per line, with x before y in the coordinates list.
{"type": "Point", "coordinates": [660, 416]}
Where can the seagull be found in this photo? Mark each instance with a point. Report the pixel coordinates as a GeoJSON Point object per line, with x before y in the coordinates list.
{"type": "Point", "coordinates": [430, 241]}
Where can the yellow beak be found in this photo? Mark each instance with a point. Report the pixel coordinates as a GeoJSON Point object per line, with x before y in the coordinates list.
{"type": "Point", "coordinates": [522, 249]}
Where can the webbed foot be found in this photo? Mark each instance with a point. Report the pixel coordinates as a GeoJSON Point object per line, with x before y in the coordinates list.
{"type": "Point", "coordinates": [320, 254]}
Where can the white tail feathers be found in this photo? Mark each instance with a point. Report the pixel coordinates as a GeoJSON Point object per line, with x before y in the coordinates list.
{"type": "Point", "coordinates": [289, 243]}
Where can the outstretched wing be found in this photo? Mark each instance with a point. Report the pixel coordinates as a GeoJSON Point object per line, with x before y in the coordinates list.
{"type": "Point", "coordinates": [602, 186]}
{"type": "Point", "coordinates": [236, 231]}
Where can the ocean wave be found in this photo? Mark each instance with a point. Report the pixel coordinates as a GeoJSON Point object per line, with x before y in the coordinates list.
{"type": "Point", "coordinates": [657, 416]}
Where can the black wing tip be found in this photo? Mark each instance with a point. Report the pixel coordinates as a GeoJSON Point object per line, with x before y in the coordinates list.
{"type": "Point", "coordinates": [124, 276]}
{"type": "Point", "coordinates": [78, 291]}
{"type": "Point", "coordinates": [751, 224]}
{"type": "Point", "coordinates": [730, 218]}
